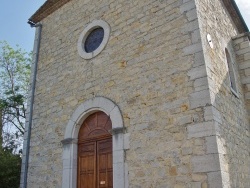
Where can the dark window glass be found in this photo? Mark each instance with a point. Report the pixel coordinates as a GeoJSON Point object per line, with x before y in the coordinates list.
{"type": "Point", "coordinates": [93, 40]}
{"type": "Point", "coordinates": [231, 71]}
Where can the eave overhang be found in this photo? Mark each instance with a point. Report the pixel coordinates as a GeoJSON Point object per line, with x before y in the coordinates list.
{"type": "Point", "coordinates": [236, 15]}
{"type": "Point", "coordinates": [46, 9]}
{"type": "Point", "coordinates": [52, 5]}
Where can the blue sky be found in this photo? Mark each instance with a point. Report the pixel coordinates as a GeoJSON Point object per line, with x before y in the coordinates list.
{"type": "Point", "coordinates": [14, 15]}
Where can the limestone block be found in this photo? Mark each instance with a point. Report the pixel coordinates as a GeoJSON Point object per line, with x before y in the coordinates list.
{"type": "Point", "coordinates": [184, 120]}
{"type": "Point", "coordinates": [205, 163]}
{"type": "Point", "coordinates": [219, 145]}
{"type": "Point", "coordinates": [204, 185]}
{"type": "Point", "coordinates": [186, 151]}
{"type": "Point", "coordinates": [198, 59]}
{"type": "Point", "coordinates": [247, 56]}
{"type": "Point", "coordinates": [201, 84]}
{"type": "Point", "coordinates": [194, 48]}
{"type": "Point", "coordinates": [201, 130]}
{"type": "Point", "coordinates": [215, 179]}
{"type": "Point", "coordinates": [119, 167]}
{"type": "Point", "coordinates": [245, 64]}
{"type": "Point", "coordinates": [195, 184]}
{"type": "Point", "coordinates": [243, 51]}
{"type": "Point", "coordinates": [191, 15]}
{"type": "Point", "coordinates": [244, 44]}
{"type": "Point", "coordinates": [118, 156]}
{"type": "Point", "coordinates": [247, 72]}
{"type": "Point", "coordinates": [195, 36]}
{"type": "Point", "coordinates": [245, 80]}
{"type": "Point", "coordinates": [199, 99]}
{"type": "Point", "coordinates": [199, 177]}
{"type": "Point", "coordinates": [211, 145]}
{"type": "Point", "coordinates": [191, 26]}
{"type": "Point", "coordinates": [197, 72]}
{"type": "Point", "coordinates": [126, 141]}
{"type": "Point", "coordinates": [187, 6]}
{"type": "Point", "coordinates": [179, 186]}
{"type": "Point", "coordinates": [211, 113]}
{"type": "Point", "coordinates": [238, 40]}
{"type": "Point", "coordinates": [184, 169]}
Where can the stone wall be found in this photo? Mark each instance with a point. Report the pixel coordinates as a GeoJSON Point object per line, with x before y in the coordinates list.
{"type": "Point", "coordinates": [152, 68]}
{"type": "Point", "coordinates": [228, 108]}
{"type": "Point", "coordinates": [175, 101]}
{"type": "Point", "coordinates": [242, 48]}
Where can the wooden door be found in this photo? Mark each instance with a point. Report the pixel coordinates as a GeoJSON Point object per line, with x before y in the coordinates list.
{"type": "Point", "coordinates": [104, 164]}
{"type": "Point", "coordinates": [95, 169]}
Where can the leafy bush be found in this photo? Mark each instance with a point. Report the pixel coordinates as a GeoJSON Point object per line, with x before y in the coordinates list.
{"type": "Point", "coordinates": [10, 169]}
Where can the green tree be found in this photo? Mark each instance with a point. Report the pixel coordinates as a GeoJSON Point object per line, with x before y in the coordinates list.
{"type": "Point", "coordinates": [14, 83]}
{"type": "Point", "coordinates": [10, 169]}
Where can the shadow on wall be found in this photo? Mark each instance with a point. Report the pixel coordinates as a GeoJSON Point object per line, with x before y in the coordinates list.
{"type": "Point", "coordinates": [231, 116]}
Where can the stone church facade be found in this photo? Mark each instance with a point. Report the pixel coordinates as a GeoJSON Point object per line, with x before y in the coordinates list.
{"type": "Point", "coordinates": [172, 77]}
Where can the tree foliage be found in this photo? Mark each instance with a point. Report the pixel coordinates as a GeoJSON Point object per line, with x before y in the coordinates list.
{"type": "Point", "coordinates": [14, 83]}
{"type": "Point", "coordinates": [10, 169]}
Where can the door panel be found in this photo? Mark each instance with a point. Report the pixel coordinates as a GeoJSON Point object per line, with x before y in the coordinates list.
{"type": "Point", "coordinates": [96, 125]}
{"type": "Point", "coordinates": [104, 164]}
{"type": "Point", "coordinates": [95, 165]}
{"type": "Point", "coordinates": [87, 165]}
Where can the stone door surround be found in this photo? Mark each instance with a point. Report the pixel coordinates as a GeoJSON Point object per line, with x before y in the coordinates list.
{"type": "Point", "coordinates": [69, 178]}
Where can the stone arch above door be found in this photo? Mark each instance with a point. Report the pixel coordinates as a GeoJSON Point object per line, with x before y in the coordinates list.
{"type": "Point", "coordinates": [69, 179]}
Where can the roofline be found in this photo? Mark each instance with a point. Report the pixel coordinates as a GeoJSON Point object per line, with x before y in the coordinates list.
{"type": "Point", "coordinates": [46, 9]}
{"type": "Point", "coordinates": [51, 6]}
{"type": "Point", "coordinates": [240, 15]}
{"type": "Point", "coordinates": [236, 16]}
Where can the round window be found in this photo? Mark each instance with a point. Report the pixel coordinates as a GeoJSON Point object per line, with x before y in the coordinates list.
{"type": "Point", "coordinates": [93, 39]}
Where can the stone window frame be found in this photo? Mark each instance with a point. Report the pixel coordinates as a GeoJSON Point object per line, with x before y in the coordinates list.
{"type": "Point", "coordinates": [90, 27]}
{"type": "Point", "coordinates": [70, 141]}
{"type": "Point", "coordinates": [231, 73]}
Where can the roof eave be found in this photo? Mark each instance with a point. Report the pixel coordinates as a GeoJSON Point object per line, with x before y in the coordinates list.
{"type": "Point", "coordinates": [240, 16]}
{"type": "Point", "coordinates": [236, 16]}
{"type": "Point", "coordinates": [52, 5]}
{"type": "Point", "coordinates": [46, 9]}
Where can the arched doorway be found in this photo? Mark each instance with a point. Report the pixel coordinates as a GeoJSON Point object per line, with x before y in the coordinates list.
{"type": "Point", "coordinates": [95, 166]}
{"type": "Point", "coordinates": [70, 141]}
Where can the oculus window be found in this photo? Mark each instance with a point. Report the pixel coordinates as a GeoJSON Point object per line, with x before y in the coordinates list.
{"type": "Point", "coordinates": [93, 39]}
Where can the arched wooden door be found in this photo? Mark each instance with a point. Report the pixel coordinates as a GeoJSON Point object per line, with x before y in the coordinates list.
{"type": "Point", "coordinates": [95, 166]}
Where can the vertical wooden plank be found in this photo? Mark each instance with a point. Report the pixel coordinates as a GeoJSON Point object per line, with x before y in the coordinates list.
{"type": "Point", "coordinates": [87, 165]}
{"type": "Point", "coordinates": [104, 163]}
{"type": "Point", "coordinates": [95, 166]}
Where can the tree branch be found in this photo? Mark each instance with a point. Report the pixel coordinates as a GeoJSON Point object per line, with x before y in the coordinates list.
{"type": "Point", "coordinates": [11, 121]}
